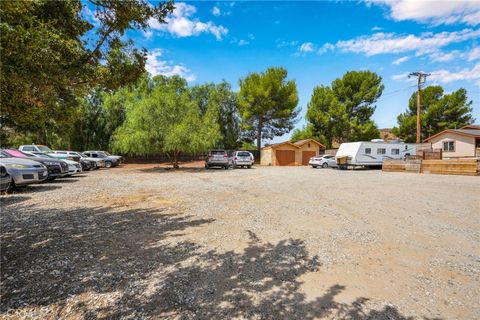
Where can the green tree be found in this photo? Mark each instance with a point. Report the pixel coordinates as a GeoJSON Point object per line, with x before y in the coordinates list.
{"type": "Point", "coordinates": [267, 104]}
{"type": "Point", "coordinates": [52, 56]}
{"type": "Point", "coordinates": [166, 120]}
{"type": "Point", "coordinates": [343, 111]}
{"type": "Point", "coordinates": [307, 132]}
{"type": "Point", "coordinates": [439, 111]}
{"type": "Point", "coordinates": [224, 100]}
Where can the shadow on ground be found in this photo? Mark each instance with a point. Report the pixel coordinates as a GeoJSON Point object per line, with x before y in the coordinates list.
{"type": "Point", "coordinates": [51, 258]}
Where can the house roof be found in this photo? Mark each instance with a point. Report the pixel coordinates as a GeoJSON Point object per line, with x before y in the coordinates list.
{"type": "Point", "coordinates": [302, 142]}
{"type": "Point", "coordinates": [475, 133]}
{"type": "Point", "coordinates": [297, 144]}
{"type": "Point", "coordinates": [471, 126]}
{"type": "Point", "coordinates": [275, 145]}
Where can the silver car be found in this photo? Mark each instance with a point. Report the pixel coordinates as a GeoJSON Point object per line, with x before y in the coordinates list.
{"type": "Point", "coordinates": [242, 159]}
{"type": "Point", "coordinates": [24, 171]}
{"type": "Point", "coordinates": [323, 161]}
{"type": "Point", "coordinates": [218, 158]}
{"type": "Point", "coordinates": [5, 179]}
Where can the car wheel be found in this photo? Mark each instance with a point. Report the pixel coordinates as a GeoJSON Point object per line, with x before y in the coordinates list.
{"type": "Point", "coordinates": [226, 167]}
{"type": "Point", "coordinates": [10, 187]}
{"type": "Point", "coordinates": [108, 164]}
{"type": "Point", "coordinates": [249, 167]}
{"type": "Point", "coordinates": [314, 167]}
{"type": "Point", "coordinates": [325, 165]}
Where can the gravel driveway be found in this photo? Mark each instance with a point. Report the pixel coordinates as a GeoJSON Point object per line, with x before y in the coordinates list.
{"type": "Point", "coordinates": [264, 243]}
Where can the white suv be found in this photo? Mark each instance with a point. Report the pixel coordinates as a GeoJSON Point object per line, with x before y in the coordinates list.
{"type": "Point", "coordinates": [242, 159]}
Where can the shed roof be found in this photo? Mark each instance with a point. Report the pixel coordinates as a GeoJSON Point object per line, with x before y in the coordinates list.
{"type": "Point", "coordinates": [297, 144]}
{"type": "Point", "coordinates": [276, 145]}
{"type": "Point", "coordinates": [475, 133]}
{"type": "Point", "coordinates": [302, 142]}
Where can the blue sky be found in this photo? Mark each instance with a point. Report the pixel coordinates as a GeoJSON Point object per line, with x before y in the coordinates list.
{"type": "Point", "coordinates": [319, 41]}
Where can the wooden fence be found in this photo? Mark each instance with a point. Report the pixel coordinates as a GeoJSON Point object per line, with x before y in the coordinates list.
{"type": "Point", "coordinates": [452, 166]}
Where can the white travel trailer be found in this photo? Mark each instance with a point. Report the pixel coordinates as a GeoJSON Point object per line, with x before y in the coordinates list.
{"type": "Point", "coordinates": [372, 153]}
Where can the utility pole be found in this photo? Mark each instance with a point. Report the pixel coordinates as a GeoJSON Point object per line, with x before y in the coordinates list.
{"type": "Point", "coordinates": [421, 78]}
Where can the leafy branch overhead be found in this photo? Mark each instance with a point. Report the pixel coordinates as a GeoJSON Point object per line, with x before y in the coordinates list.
{"type": "Point", "coordinates": [52, 55]}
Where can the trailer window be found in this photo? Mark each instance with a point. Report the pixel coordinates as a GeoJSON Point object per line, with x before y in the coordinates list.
{"type": "Point", "coordinates": [396, 151]}
{"type": "Point", "coordinates": [368, 150]}
{"type": "Point", "coordinates": [381, 151]}
{"type": "Point", "coordinates": [449, 146]}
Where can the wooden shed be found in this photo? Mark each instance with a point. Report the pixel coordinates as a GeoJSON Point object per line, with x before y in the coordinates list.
{"type": "Point", "coordinates": [291, 154]}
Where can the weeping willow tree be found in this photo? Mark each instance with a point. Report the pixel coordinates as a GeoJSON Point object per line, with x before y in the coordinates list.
{"type": "Point", "coordinates": [164, 119]}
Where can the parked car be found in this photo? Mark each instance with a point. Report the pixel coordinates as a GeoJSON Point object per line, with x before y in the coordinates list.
{"type": "Point", "coordinates": [5, 179]}
{"type": "Point", "coordinates": [242, 159]}
{"type": "Point", "coordinates": [218, 158]}
{"type": "Point", "coordinates": [35, 147]}
{"type": "Point", "coordinates": [56, 168]}
{"type": "Point", "coordinates": [86, 162]}
{"type": "Point", "coordinates": [323, 161]}
{"type": "Point", "coordinates": [74, 167]}
{"type": "Point", "coordinates": [110, 161]}
{"type": "Point", "coordinates": [23, 171]}
{"type": "Point", "coordinates": [119, 158]}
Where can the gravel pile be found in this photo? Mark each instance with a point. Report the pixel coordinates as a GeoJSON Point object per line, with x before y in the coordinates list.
{"type": "Point", "coordinates": [266, 243]}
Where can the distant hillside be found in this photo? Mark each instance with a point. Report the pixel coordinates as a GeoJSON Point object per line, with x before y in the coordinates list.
{"type": "Point", "coordinates": [386, 134]}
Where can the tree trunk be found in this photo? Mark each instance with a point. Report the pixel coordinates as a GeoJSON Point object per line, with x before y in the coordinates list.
{"type": "Point", "coordinates": [175, 160]}
{"type": "Point", "coordinates": [259, 134]}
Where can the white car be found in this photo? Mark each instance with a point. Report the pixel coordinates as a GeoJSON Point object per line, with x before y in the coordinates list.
{"type": "Point", "coordinates": [242, 159]}
{"type": "Point", "coordinates": [323, 161]}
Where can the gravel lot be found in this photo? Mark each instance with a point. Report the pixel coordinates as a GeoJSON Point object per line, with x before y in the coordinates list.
{"type": "Point", "coordinates": [266, 243]}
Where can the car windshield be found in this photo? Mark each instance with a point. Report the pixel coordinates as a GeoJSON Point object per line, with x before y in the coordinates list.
{"type": "Point", "coordinates": [102, 154]}
{"type": "Point", "coordinates": [16, 153]}
{"type": "Point", "coordinates": [243, 154]}
{"type": "Point", "coordinates": [83, 155]}
{"type": "Point", "coordinates": [44, 149]}
{"type": "Point", "coordinates": [217, 152]}
{"type": "Point", "coordinates": [105, 152]}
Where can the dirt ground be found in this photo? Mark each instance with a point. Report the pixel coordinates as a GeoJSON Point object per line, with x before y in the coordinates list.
{"type": "Point", "coordinates": [144, 242]}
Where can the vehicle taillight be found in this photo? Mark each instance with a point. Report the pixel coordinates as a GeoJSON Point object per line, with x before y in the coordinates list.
{"type": "Point", "coordinates": [225, 155]}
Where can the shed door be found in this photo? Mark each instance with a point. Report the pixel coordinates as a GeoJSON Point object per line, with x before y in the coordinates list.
{"type": "Point", "coordinates": [306, 155]}
{"type": "Point", "coordinates": [285, 157]}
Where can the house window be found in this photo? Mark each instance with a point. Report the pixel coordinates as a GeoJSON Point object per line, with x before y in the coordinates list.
{"type": "Point", "coordinates": [368, 150]}
{"type": "Point", "coordinates": [381, 151]}
{"type": "Point", "coordinates": [396, 151]}
{"type": "Point", "coordinates": [309, 146]}
{"type": "Point", "coordinates": [449, 146]}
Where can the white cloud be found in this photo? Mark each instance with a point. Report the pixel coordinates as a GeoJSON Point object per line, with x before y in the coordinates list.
{"type": "Point", "coordinates": [433, 11]}
{"type": "Point", "coordinates": [474, 54]}
{"type": "Point", "coordinates": [155, 66]}
{"type": "Point", "coordinates": [376, 28]}
{"type": "Point", "coordinates": [440, 56]}
{"type": "Point", "coordinates": [445, 76]}
{"type": "Point", "coordinates": [148, 34]}
{"type": "Point", "coordinates": [400, 60]}
{"type": "Point", "coordinates": [384, 43]}
{"type": "Point", "coordinates": [326, 47]}
{"type": "Point", "coordinates": [216, 11]}
{"type": "Point", "coordinates": [306, 47]}
{"type": "Point", "coordinates": [251, 36]}
{"type": "Point", "coordinates": [243, 42]}
{"type": "Point", "coordinates": [282, 43]}
{"type": "Point", "coordinates": [181, 24]}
